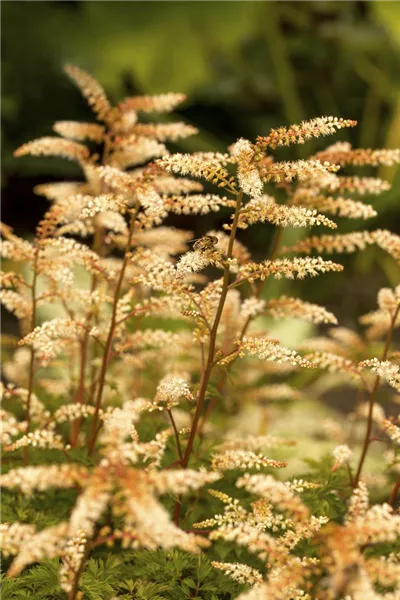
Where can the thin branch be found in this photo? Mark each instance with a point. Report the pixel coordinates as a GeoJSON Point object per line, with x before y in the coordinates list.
{"type": "Point", "coordinates": [110, 337]}
{"type": "Point", "coordinates": [394, 492]}
{"type": "Point", "coordinates": [372, 397]}
{"type": "Point", "coordinates": [33, 325]}
{"type": "Point", "coordinates": [211, 350]}
{"type": "Point", "coordinates": [213, 336]}
{"type": "Point", "coordinates": [259, 288]}
{"type": "Point", "coordinates": [73, 594]}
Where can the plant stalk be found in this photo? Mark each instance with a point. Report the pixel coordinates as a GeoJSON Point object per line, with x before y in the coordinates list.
{"type": "Point", "coordinates": [110, 337]}
{"type": "Point", "coordinates": [367, 439]}
{"type": "Point", "coordinates": [394, 492]}
{"type": "Point", "coordinates": [33, 325]}
{"type": "Point", "coordinates": [213, 336]}
{"type": "Point", "coordinates": [211, 351]}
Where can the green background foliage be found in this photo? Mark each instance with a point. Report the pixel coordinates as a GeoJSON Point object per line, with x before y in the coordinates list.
{"type": "Point", "coordinates": [246, 67]}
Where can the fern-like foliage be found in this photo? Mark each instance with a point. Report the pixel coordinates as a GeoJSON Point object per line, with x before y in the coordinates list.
{"type": "Point", "coordinates": [154, 429]}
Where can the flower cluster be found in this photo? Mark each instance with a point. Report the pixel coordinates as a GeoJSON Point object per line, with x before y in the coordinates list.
{"type": "Point", "coordinates": [145, 370]}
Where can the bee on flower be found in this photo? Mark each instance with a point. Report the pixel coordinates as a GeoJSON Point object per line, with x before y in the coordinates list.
{"type": "Point", "coordinates": [205, 243]}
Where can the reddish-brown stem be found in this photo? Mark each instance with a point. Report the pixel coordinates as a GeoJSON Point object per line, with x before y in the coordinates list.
{"type": "Point", "coordinates": [259, 289]}
{"type": "Point", "coordinates": [375, 388]}
{"type": "Point", "coordinates": [72, 595]}
{"type": "Point", "coordinates": [211, 350]}
{"type": "Point", "coordinates": [110, 337]}
{"type": "Point", "coordinates": [241, 280]}
{"type": "Point", "coordinates": [213, 337]}
{"type": "Point", "coordinates": [97, 246]}
{"type": "Point", "coordinates": [33, 325]}
{"type": "Point", "coordinates": [394, 492]}
{"type": "Point", "coordinates": [76, 425]}
{"type": "Point", "coordinates": [176, 463]}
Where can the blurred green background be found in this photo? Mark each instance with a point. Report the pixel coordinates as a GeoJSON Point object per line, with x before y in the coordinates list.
{"type": "Point", "coordinates": [245, 66]}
